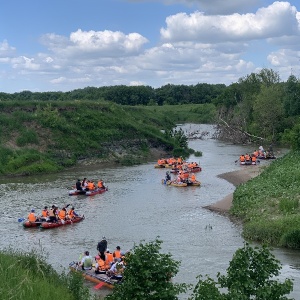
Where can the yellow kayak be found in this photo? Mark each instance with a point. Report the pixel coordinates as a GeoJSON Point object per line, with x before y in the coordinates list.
{"type": "Point", "coordinates": [178, 184]}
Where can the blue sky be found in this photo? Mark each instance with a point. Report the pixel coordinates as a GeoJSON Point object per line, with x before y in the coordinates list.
{"type": "Point", "coordinates": [62, 45]}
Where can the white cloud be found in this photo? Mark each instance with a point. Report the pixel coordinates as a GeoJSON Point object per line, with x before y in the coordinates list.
{"type": "Point", "coordinates": [194, 48]}
{"type": "Point", "coordinates": [97, 43]}
{"type": "Point", "coordinates": [6, 52]}
{"type": "Point", "coordinates": [26, 63]}
{"type": "Point", "coordinates": [276, 20]}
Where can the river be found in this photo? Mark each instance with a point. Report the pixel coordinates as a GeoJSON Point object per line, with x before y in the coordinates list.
{"type": "Point", "coordinates": [137, 207]}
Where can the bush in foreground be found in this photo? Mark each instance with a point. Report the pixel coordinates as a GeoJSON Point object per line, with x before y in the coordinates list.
{"type": "Point", "coordinates": [251, 275]}
{"type": "Point", "coordinates": [148, 275]}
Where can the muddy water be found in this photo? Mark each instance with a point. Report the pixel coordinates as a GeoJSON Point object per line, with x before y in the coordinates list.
{"type": "Point", "coordinates": [137, 207]}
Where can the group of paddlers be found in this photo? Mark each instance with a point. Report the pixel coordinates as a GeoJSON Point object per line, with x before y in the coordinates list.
{"type": "Point", "coordinates": [105, 262]}
{"type": "Point", "coordinates": [182, 177]}
{"type": "Point", "coordinates": [248, 158]}
{"type": "Point", "coordinates": [262, 153]}
{"type": "Point", "coordinates": [169, 162]}
{"type": "Point", "coordinates": [257, 154]}
{"type": "Point", "coordinates": [89, 185]}
{"type": "Point", "coordinates": [54, 214]}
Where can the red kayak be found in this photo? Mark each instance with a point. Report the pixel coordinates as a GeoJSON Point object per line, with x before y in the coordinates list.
{"type": "Point", "coordinates": [95, 192]}
{"type": "Point", "coordinates": [28, 224]}
{"type": "Point", "coordinates": [48, 225]}
{"type": "Point", "coordinates": [87, 193]}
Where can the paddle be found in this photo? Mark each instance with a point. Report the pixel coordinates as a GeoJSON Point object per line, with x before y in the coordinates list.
{"type": "Point", "coordinates": [99, 286]}
{"type": "Point", "coordinates": [21, 220]}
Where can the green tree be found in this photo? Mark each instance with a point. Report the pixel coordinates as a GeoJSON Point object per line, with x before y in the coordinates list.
{"type": "Point", "coordinates": [268, 112]}
{"type": "Point", "coordinates": [148, 275]}
{"type": "Point", "coordinates": [251, 275]}
{"type": "Point", "coordinates": [292, 96]}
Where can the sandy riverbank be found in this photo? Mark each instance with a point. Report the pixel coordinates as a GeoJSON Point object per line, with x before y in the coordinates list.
{"type": "Point", "coordinates": [236, 178]}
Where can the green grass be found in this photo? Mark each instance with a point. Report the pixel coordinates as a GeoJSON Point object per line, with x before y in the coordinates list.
{"type": "Point", "coordinates": [187, 113]}
{"type": "Point", "coordinates": [269, 204]}
{"type": "Point", "coordinates": [47, 136]}
{"type": "Point", "coordinates": [27, 276]}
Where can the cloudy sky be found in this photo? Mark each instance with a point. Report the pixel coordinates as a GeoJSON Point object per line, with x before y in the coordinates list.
{"type": "Point", "coordinates": [62, 45]}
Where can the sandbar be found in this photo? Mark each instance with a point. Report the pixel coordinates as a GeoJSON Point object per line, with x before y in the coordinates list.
{"type": "Point", "coordinates": [236, 178]}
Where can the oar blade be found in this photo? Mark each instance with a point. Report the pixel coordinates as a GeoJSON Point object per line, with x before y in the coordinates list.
{"type": "Point", "coordinates": [99, 286]}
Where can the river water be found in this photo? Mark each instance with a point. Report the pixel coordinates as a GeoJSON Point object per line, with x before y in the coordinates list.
{"type": "Point", "coordinates": [137, 207]}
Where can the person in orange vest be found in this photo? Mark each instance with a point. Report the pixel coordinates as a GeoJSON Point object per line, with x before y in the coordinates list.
{"type": "Point", "coordinates": [90, 186]}
{"type": "Point", "coordinates": [100, 265]}
{"type": "Point", "coordinates": [117, 252]}
{"type": "Point", "coordinates": [109, 259]}
{"type": "Point", "coordinates": [62, 214]}
{"type": "Point", "coordinates": [100, 184]}
{"type": "Point", "coordinates": [253, 159]}
{"type": "Point", "coordinates": [45, 212]}
{"type": "Point", "coordinates": [53, 214]}
{"type": "Point", "coordinates": [242, 158]}
{"type": "Point", "coordinates": [255, 153]}
{"type": "Point", "coordinates": [192, 178]}
{"type": "Point", "coordinates": [32, 217]}
{"type": "Point", "coordinates": [71, 213]}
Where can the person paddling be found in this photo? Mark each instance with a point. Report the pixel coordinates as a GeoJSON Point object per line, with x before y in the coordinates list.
{"type": "Point", "coordinates": [86, 262]}
{"type": "Point", "coordinates": [32, 217]}
{"type": "Point", "coordinates": [102, 246]}
{"type": "Point", "coordinates": [78, 185]}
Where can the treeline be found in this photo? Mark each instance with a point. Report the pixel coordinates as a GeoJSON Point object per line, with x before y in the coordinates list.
{"type": "Point", "coordinates": [260, 107]}
{"type": "Point", "coordinates": [129, 95]}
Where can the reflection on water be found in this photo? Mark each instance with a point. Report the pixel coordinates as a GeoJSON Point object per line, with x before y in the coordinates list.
{"type": "Point", "coordinates": [137, 207]}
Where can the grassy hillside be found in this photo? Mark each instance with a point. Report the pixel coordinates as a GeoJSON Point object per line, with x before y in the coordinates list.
{"type": "Point", "coordinates": [39, 136]}
{"type": "Point", "coordinates": [28, 276]}
{"type": "Point", "coordinates": [269, 204]}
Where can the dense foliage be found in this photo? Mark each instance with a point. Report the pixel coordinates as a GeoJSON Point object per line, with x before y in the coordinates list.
{"type": "Point", "coordinates": [40, 137]}
{"type": "Point", "coordinates": [128, 95]}
{"type": "Point", "coordinates": [148, 275]}
{"type": "Point", "coordinates": [259, 107]}
{"type": "Point", "coordinates": [268, 204]}
{"type": "Point", "coordinates": [251, 275]}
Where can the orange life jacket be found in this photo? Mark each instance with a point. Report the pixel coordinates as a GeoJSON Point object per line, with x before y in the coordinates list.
{"type": "Point", "coordinates": [242, 158]}
{"type": "Point", "coordinates": [117, 254]}
{"type": "Point", "coordinates": [31, 217]}
{"type": "Point", "coordinates": [90, 185]}
{"type": "Point", "coordinates": [62, 214]}
{"type": "Point", "coordinates": [193, 178]}
{"type": "Point", "coordinates": [45, 213]}
{"type": "Point", "coordinates": [101, 264]}
{"type": "Point", "coordinates": [100, 184]}
{"type": "Point", "coordinates": [109, 258]}
{"type": "Point", "coordinates": [71, 213]}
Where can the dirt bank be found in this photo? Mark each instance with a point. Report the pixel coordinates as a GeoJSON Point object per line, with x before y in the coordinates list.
{"type": "Point", "coordinates": [236, 178]}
